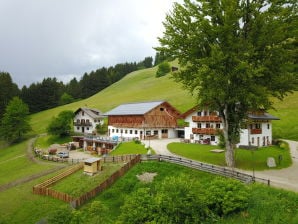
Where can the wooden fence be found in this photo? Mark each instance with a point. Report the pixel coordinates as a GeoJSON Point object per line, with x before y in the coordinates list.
{"type": "Point", "coordinates": [107, 183]}
{"type": "Point", "coordinates": [43, 188]}
{"type": "Point", "coordinates": [223, 171]}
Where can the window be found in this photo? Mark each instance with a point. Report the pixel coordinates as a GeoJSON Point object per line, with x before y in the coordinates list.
{"type": "Point", "coordinates": [217, 125]}
{"type": "Point", "coordinates": [252, 140]}
{"type": "Point", "coordinates": [199, 113]}
{"type": "Point", "coordinates": [125, 131]}
{"type": "Point", "coordinates": [268, 126]}
{"type": "Point", "coordinates": [212, 138]}
{"type": "Point", "coordinates": [205, 113]}
{"type": "Point", "coordinates": [130, 132]}
{"type": "Point", "coordinates": [148, 132]}
{"type": "Point", "coordinates": [78, 128]}
{"type": "Point", "coordinates": [117, 130]}
{"type": "Point", "coordinates": [87, 121]}
{"type": "Point", "coordinates": [164, 131]}
{"type": "Point", "coordinates": [87, 128]}
{"type": "Point", "coordinates": [207, 125]}
{"type": "Point", "coordinates": [113, 130]}
{"type": "Point", "coordinates": [83, 113]}
{"type": "Point", "coordinates": [136, 132]}
{"type": "Point", "coordinates": [155, 132]}
{"type": "Point", "coordinates": [258, 126]}
{"type": "Point", "coordinates": [199, 125]}
{"type": "Point", "coordinates": [78, 121]}
{"type": "Point", "coordinates": [121, 131]}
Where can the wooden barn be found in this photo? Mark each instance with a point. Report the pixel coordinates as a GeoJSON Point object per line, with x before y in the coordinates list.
{"type": "Point", "coordinates": [154, 120]}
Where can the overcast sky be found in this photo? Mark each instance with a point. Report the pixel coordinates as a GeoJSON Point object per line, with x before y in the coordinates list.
{"type": "Point", "coordinates": [65, 38]}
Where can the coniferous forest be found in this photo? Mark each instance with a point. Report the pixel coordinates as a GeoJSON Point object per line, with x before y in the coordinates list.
{"type": "Point", "coordinates": [51, 92]}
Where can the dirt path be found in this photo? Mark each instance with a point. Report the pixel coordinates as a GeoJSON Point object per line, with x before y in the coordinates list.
{"type": "Point", "coordinates": [286, 178]}
{"type": "Point", "coordinates": [30, 156]}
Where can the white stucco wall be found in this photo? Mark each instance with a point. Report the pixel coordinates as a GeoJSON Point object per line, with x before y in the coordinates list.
{"type": "Point", "coordinates": [131, 132]}
{"type": "Point", "coordinates": [87, 129]}
{"type": "Point", "coordinates": [255, 139]}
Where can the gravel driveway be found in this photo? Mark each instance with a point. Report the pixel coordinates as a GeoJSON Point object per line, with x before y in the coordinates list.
{"type": "Point", "coordinates": [286, 178]}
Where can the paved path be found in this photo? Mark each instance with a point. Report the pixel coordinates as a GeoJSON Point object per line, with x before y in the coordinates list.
{"type": "Point", "coordinates": [286, 178]}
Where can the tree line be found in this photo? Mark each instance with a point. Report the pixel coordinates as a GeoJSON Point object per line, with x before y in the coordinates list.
{"type": "Point", "coordinates": [51, 93]}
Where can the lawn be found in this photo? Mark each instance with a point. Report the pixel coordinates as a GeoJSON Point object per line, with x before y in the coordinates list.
{"type": "Point", "coordinates": [130, 148]}
{"type": "Point", "coordinates": [245, 159]}
{"type": "Point", "coordinates": [78, 183]}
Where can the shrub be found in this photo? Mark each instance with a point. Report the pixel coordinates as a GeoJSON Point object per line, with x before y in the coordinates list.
{"type": "Point", "coordinates": [227, 196]}
{"type": "Point", "coordinates": [163, 69]}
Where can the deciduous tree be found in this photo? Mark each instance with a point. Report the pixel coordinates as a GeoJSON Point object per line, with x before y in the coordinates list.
{"type": "Point", "coordinates": [61, 125]}
{"type": "Point", "coordinates": [236, 55]}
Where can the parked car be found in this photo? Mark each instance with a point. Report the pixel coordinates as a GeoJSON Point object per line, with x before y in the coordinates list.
{"type": "Point", "coordinates": [63, 154]}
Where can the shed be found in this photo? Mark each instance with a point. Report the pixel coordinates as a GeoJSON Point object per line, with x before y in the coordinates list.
{"type": "Point", "coordinates": [92, 166]}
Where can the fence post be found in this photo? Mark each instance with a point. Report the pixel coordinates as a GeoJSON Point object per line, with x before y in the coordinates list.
{"type": "Point", "coordinates": [268, 182]}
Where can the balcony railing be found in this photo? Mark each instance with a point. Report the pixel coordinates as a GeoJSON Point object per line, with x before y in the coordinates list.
{"type": "Point", "coordinates": [206, 119]}
{"type": "Point", "coordinates": [205, 131]}
{"type": "Point", "coordinates": [82, 124]}
{"type": "Point", "coordinates": [255, 131]}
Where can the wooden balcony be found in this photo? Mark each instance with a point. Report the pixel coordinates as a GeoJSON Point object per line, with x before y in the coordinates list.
{"type": "Point", "coordinates": [205, 131]}
{"type": "Point", "coordinates": [82, 124]}
{"type": "Point", "coordinates": [255, 131]}
{"type": "Point", "coordinates": [206, 119]}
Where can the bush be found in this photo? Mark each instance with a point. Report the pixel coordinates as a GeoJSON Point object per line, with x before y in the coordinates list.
{"type": "Point", "coordinates": [179, 201]}
{"type": "Point", "coordinates": [163, 69]}
{"type": "Point", "coordinates": [227, 196]}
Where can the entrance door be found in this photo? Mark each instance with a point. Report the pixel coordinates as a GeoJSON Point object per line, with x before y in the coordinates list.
{"type": "Point", "coordinates": [83, 129]}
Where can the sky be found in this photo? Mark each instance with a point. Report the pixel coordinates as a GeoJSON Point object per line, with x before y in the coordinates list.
{"type": "Point", "coordinates": [66, 38]}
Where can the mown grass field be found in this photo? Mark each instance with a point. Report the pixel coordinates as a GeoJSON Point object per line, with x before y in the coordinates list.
{"type": "Point", "coordinates": [245, 159]}
{"type": "Point", "coordinates": [129, 148]}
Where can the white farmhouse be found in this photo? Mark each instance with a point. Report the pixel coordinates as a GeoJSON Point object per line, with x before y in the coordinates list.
{"type": "Point", "coordinates": [86, 119]}
{"type": "Point", "coordinates": [204, 126]}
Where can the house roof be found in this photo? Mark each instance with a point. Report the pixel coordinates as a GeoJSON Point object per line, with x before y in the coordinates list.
{"type": "Point", "coordinates": [134, 108]}
{"type": "Point", "coordinates": [93, 113]}
{"type": "Point", "coordinates": [264, 116]}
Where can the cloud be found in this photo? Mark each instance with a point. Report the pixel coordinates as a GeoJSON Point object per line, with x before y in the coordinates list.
{"type": "Point", "coordinates": [53, 38]}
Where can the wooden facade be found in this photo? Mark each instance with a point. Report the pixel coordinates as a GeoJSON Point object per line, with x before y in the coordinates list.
{"type": "Point", "coordinates": [152, 123]}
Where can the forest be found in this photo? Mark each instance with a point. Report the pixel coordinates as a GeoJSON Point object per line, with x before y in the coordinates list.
{"type": "Point", "coordinates": [51, 92]}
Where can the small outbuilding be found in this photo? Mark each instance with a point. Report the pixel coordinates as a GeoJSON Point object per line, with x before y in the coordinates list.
{"type": "Point", "coordinates": [92, 166]}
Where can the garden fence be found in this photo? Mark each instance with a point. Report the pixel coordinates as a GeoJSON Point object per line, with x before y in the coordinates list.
{"type": "Point", "coordinates": [223, 171]}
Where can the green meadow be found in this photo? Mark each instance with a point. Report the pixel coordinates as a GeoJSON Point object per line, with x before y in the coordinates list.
{"type": "Point", "coordinates": [140, 86]}
{"type": "Point", "coordinates": [19, 205]}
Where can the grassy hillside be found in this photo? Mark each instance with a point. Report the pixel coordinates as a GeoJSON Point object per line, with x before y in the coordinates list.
{"type": "Point", "coordinates": [142, 85]}
{"type": "Point", "coordinates": [137, 86]}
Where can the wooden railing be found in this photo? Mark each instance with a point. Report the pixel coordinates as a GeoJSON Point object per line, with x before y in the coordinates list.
{"type": "Point", "coordinates": [255, 131]}
{"type": "Point", "coordinates": [204, 131]}
{"type": "Point", "coordinates": [206, 119]}
{"type": "Point", "coordinates": [223, 171]}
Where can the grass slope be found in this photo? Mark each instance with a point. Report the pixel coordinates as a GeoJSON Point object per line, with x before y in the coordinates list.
{"type": "Point", "coordinates": [142, 86]}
